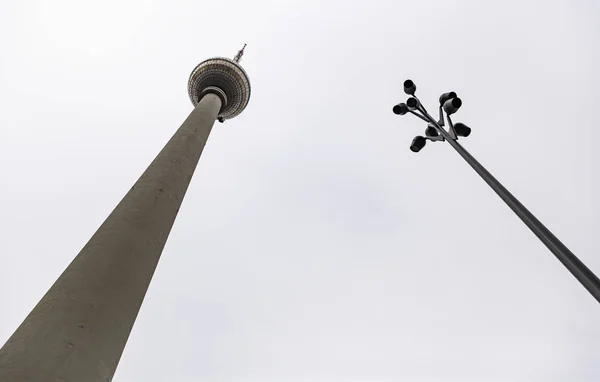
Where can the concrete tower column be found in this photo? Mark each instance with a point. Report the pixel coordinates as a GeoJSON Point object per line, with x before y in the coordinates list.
{"type": "Point", "coordinates": [78, 331]}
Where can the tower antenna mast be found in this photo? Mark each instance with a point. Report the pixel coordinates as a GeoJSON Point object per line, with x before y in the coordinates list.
{"type": "Point", "coordinates": [239, 54]}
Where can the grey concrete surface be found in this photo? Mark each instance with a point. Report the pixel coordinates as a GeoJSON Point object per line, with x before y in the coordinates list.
{"type": "Point", "coordinates": [78, 330]}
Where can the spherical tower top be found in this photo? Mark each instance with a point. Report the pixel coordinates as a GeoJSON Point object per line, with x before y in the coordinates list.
{"type": "Point", "coordinates": [225, 78]}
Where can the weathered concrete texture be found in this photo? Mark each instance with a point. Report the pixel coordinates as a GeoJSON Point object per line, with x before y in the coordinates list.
{"type": "Point", "coordinates": [77, 332]}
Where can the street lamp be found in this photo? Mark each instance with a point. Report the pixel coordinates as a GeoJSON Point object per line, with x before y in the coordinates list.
{"type": "Point", "coordinates": [449, 103]}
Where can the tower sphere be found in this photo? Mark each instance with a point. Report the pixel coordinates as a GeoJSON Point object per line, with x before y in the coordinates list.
{"type": "Point", "coordinates": [225, 75]}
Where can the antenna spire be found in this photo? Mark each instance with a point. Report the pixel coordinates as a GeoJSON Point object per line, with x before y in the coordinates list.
{"type": "Point", "coordinates": [239, 54]}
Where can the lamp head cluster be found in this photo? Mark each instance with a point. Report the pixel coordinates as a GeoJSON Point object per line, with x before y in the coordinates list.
{"type": "Point", "coordinates": [449, 103]}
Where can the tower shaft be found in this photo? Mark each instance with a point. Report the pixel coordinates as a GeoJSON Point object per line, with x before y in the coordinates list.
{"type": "Point", "coordinates": [78, 330]}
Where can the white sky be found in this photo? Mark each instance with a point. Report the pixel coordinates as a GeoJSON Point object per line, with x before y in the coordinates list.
{"type": "Point", "coordinates": [313, 245]}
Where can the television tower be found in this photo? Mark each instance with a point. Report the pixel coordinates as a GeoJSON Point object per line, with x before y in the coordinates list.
{"type": "Point", "coordinates": [78, 330]}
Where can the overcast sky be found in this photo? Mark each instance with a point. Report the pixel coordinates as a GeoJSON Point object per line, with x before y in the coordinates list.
{"type": "Point", "coordinates": [313, 245]}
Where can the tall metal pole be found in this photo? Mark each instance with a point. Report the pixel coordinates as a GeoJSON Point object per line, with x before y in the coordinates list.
{"type": "Point", "coordinates": [450, 103]}
{"type": "Point", "coordinates": [78, 331]}
{"type": "Point", "coordinates": [577, 268]}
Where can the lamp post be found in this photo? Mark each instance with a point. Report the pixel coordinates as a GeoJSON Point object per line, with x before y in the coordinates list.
{"type": "Point", "coordinates": [449, 103]}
